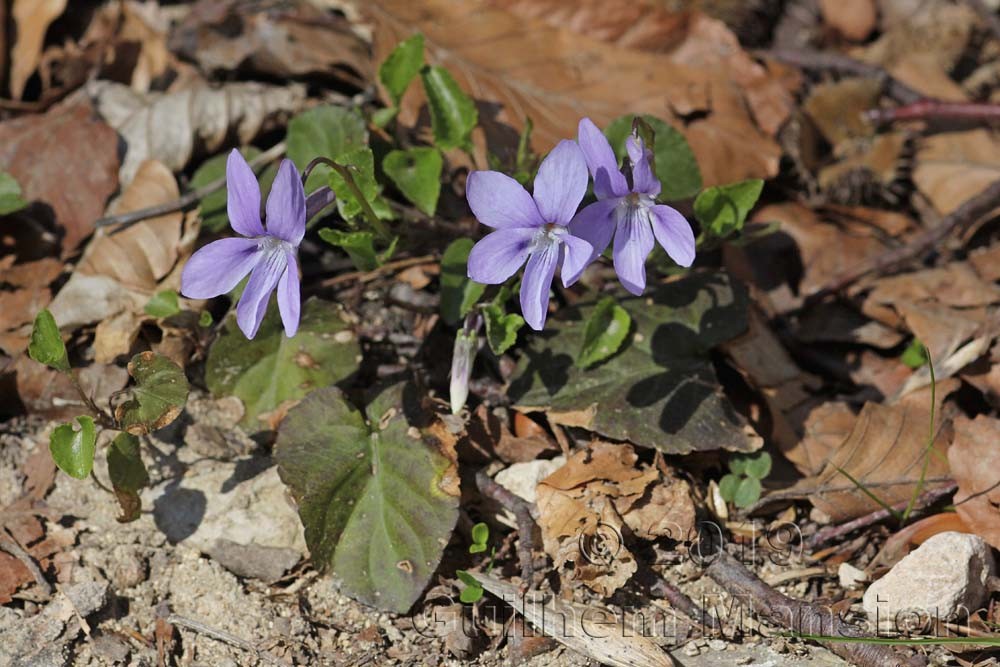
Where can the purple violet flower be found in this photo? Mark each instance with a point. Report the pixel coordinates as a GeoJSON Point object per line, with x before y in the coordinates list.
{"type": "Point", "coordinates": [630, 213]}
{"type": "Point", "coordinates": [530, 228]}
{"type": "Point", "coordinates": [269, 256]}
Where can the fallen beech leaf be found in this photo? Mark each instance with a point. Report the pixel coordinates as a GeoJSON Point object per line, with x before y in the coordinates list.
{"type": "Point", "coordinates": [884, 453]}
{"type": "Point", "coordinates": [145, 26]}
{"type": "Point", "coordinates": [975, 459]}
{"type": "Point", "coordinates": [952, 167]}
{"type": "Point", "coordinates": [75, 183]}
{"type": "Point", "coordinates": [33, 18]}
{"type": "Point", "coordinates": [168, 126]}
{"type": "Point", "coordinates": [521, 67]}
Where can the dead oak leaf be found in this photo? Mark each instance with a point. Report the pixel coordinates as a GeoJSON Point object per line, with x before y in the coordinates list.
{"type": "Point", "coordinates": [975, 459]}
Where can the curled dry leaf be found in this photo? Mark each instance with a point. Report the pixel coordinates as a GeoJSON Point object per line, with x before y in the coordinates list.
{"type": "Point", "coordinates": [32, 18]}
{"type": "Point", "coordinates": [520, 67]}
{"type": "Point", "coordinates": [75, 183]}
{"type": "Point", "coordinates": [168, 126]}
{"type": "Point", "coordinates": [597, 500]}
{"type": "Point", "coordinates": [952, 167]}
{"type": "Point", "coordinates": [975, 459]}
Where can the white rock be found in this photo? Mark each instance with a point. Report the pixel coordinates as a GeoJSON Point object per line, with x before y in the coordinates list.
{"type": "Point", "coordinates": [522, 478]}
{"type": "Point", "coordinates": [944, 579]}
{"type": "Point", "coordinates": [851, 576]}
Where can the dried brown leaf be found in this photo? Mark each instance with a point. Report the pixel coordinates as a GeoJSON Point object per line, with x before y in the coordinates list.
{"type": "Point", "coordinates": [975, 460]}
{"type": "Point", "coordinates": [952, 167]}
{"type": "Point", "coordinates": [66, 158]}
{"type": "Point", "coordinates": [520, 67]}
{"type": "Point", "coordinates": [32, 18]}
{"type": "Point", "coordinates": [854, 19]}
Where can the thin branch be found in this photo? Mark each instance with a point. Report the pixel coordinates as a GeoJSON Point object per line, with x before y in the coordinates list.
{"type": "Point", "coordinates": [935, 110]}
{"type": "Point", "coordinates": [189, 198]}
{"type": "Point", "coordinates": [524, 514]}
{"type": "Point", "coordinates": [801, 617]}
{"type": "Point", "coordinates": [835, 62]}
{"type": "Point", "coordinates": [222, 636]}
{"type": "Point", "coordinates": [368, 276]}
{"type": "Point", "coordinates": [679, 600]}
{"type": "Point", "coordinates": [954, 223]}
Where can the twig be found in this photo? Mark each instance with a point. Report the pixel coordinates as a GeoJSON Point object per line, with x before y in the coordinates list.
{"type": "Point", "coordinates": [801, 617]}
{"type": "Point", "coordinates": [222, 636]}
{"type": "Point", "coordinates": [987, 15]}
{"type": "Point", "coordinates": [9, 544]}
{"type": "Point", "coordinates": [523, 513]}
{"type": "Point", "coordinates": [189, 198]}
{"type": "Point", "coordinates": [816, 60]}
{"type": "Point", "coordinates": [368, 276]}
{"type": "Point", "coordinates": [965, 215]}
{"type": "Point", "coordinates": [830, 533]}
{"type": "Point", "coordinates": [680, 601]}
{"type": "Point", "coordinates": [935, 110]}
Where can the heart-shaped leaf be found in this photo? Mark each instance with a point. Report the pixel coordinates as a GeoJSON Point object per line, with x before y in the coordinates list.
{"type": "Point", "coordinates": [47, 345]}
{"type": "Point", "coordinates": [73, 450]}
{"type": "Point", "coordinates": [378, 500]}
{"type": "Point", "coordinates": [128, 474]}
{"type": "Point", "coordinates": [327, 131]}
{"type": "Point", "coordinates": [158, 396]}
{"type": "Point", "coordinates": [747, 493]}
{"type": "Point", "coordinates": [605, 331]}
{"type": "Point", "coordinates": [417, 174]}
{"type": "Point", "coordinates": [722, 210]}
{"type": "Point", "coordinates": [728, 485]}
{"type": "Point", "coordinates": [453, 113]}
{"type": "Point", "coordinates": [273, 369]}
{"type": "Point", "coordinates": [163, 304]}
{"type": "Point", "coordinates": [401, 66]}
{"type": "Point", "coordinates": [458, 292]}
{"type": "Point", "coordinates": [759, 465]}
{"type": "Point", "coordinates": [359, 246]}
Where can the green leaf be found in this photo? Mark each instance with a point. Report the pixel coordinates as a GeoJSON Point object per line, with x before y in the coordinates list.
{"type": "Point", "coordinates": [915, 354]}
{"type": "Point", "coordinates": [272, 368]}
{"type": "Point", "coordinates": [501, 328]}
{"type": "Point", "coordinates": [605, 331]}
{"type": "Point", "coordinates": [458, 293]}
{"type": "Point", "coordinates": [675, 163]}
{"type": "Point", "coordinates": [378, 501]}
{"type": "Point", "coordinates": [46, 346]}
{"type": "Point", "coordinates": [382, 117]}
{"type": "Point", "coordinates": [473, 591]}
{"type": "Point", "coordinates": [205, 319]}
{"type": "Point", "coordinates": [401, 66]}
{"type": "Point", "coordinates": [759, 465]}
{"type": "Point", "coordinates": [73, 450]}
{"type": "Point", "coordinates": [212, 207]}
{"type": "Point", "coordinates": [163, 304]}
{"type": "Point", "coordinates": [722, 209]}
{"type": "Point", "coordinates": [361, 163]}
{"type": "Point", "coordinates": [660, 390]}
{"type": "Point", "coordinates": [360, 246]}
{"type": "Point", "coordinates": [477, 548]}
{"type": "Point", "coordinates": [158, 396]}
{"type": "Point", "coordinates": [327, 131]}
{"type": "Point", "coordinates": [480, 534]}
{"type": "Point", "coordinates": [128, 474]}
{"type": "Point", "coordinates": [10, 194]}
{"type": "Point", "coordinates": [747, 493]}
{"type": "Point", "coordinates": [728, 485]}
{"type": "Point", "coordinates": [453, 113]}
{"type": "Point", "coordinates": [738, 465]}
{"type": "Point", "coordinates": [417, 174]}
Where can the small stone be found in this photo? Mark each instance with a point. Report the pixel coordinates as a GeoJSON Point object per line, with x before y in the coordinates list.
{"type": "Point", "coordinates": [254, 561]}
{"type": "Point", "coordinates": [691, 650]}
{"type": "Point", "coordinates": [718, 644]}
{"type": "Point", "coordinates": [851, 576]}
{"type": "Point", "coordinates": [942, 580]}
{"type": "Point", "coordinates": [87, 597]}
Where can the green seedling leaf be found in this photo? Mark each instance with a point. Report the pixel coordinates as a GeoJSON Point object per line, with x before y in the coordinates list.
{"type": "Point", "coordinates": [361, 162]}
{"type": "Point", "coordinates": [501, 328]}
{"type": "Point", "coordinates": [359, 246]}
{"type": "Point", "coordinates": [158, 396]}
{"type": "Point", "coordinates": [473, 591]}
{"type": "Point", "coordinates": [329, 132]}
{"type": "Point", "coordinates": [477, 548]}
{"type": "Point", "coordinates": [728, 485]}
{"type": "Point", "coordinates": [480, 534]}
{"type": "Point", "coordinates": [214, 217]}
{"type": "Point", "coordinates": [722, 210]}
{"type": "Point", "coordinates": [747, 493]}
{"type": "Point", "coordinates": [605, 331]}
{"type": "Point", "coordinates": [46, 346]}
{"type": "Point", "coordinates": [675, 164]}
{"type": "Point", "coordinates": [738, 465]}
{"type": "Point", "coordinates": [163, 304]}
{"type": "Point", "coordinates": [128, 475]}
{"type": "Point", "coordinates": [453, 113]}
{"type": "Point", "coordinates": [660, 390]}
{"type": "Point", "coordinates": [378, 500]}
{"type": "Point", "coordinates": [401, 66]}
{"type": "Point", "coordinates": [915, 354]}
{"type": "Point", "coordinates": [759, 466]}
{"type": "Point", "coordinates": [73, 449]}
{"type": "Point", "coordinates": [205, 319]}
{"type": "Point", "coordinates": [11, 200]}
{"type": "Point", "coordinates": [458, 293]}
{"type": "Point", "coordinates": [272, 369]}
{"type": "Point", "coordinates": [417, 174]}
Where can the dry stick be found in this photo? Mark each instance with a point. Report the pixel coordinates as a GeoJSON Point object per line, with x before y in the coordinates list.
{"type": "Point", "coordinates": [9, 544]}
{"type": "Point", "coordinates": [525, 521]}
{"type": "Point", "coordinates": [680, 601]}
{"type": "Point", "coordinates": [368, 276]}
{"type": "Point", "coordinates": [222, 636]}
{"type": "Point", "coordinates": [801, 617]}
{"type": "Point", "coordinates": [187, 199]}
{"type": "Point", "coordinates": [830, 533]}
{"type": "Point", "coordinates": [964, 216]}
{"type": "Point", "coordinates": [815, 60]}
{"type": "Point", "coordinates": [935, 110]}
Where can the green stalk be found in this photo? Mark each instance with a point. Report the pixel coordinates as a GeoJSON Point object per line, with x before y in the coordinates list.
{"type": "Point", "coordinates": [927, 450]}
{"type": "Point", "coordinates": [380, 229]}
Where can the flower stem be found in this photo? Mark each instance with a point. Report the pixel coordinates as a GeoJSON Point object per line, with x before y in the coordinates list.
{"type": "Point", "coordinates": [103, 418]}
{"type": "Point", "coordinates": [345, 172]}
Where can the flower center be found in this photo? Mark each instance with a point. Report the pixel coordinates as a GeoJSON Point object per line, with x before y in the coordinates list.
{"type": "Point", "coordinates": [633, 209]}
{"type": "Point", "coordinates": [271, 245]}
{"type": "Point", "coordinates": [548, 235]}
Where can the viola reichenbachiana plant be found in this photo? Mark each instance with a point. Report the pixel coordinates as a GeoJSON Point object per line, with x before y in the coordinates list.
{"type": "Point", "coordinates": [377, 492]}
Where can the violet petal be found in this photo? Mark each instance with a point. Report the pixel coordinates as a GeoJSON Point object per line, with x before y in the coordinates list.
{"type": "Point", "coordinates": [289, 297]}
{"type": "Point", "coordinates": [643, 178]}
{"type": "Point", "coordinates": [498, 255]}
{"type": "Point", "coordinates": [286, 205]}
{"type": "Point", "coordinates": [218, 267]}
{"type": "Point", "coordinates": [561, 183]}
{"type": "Point", "coordinates": [608, 179]}
{"type": "Point", "coordinates": [633, 243]}
{"type": "Point", "coordinates": [595, 224]}
{"type": "Point", "coordinates": [674, 233]}
{"type": "Point", "coordinates": [242, 196]}
{"type": "Point", "coordinates": [498, 201]}
{"type": "Point", "coordinates": [536, 282]}
{"type": "Point", "coordinates": [253, 304]}
{"type": "Point", "coordinates": [577, 254]}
